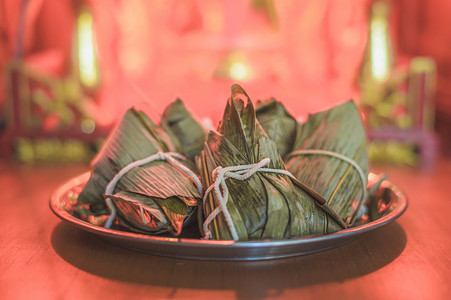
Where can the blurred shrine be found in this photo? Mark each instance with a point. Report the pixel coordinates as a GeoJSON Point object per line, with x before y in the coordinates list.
{"type": "Point", "coordinates": [72, 67]}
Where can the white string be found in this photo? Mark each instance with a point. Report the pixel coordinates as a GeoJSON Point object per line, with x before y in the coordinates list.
{"type": "Point", "coordinates": [339, 156]}
{"type": "Point", "coordinates": [220, 175]}
{"type": "Point", "coordinates": [166, 156]}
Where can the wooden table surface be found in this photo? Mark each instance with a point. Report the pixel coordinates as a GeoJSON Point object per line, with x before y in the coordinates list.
{"type": "Point", "coordinates": [42, 257]}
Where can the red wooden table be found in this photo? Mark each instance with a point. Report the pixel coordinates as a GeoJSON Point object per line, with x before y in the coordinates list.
{"type": "Point", "coordinates": [44, 258]}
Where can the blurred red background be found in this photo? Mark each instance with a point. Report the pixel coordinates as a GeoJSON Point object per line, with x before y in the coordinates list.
{"type": "Point", "coordinates": [305, 53]}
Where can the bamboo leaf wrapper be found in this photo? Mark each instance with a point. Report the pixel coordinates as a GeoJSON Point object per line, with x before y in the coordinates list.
{"type": "Point", "coordinates": [266, 205]}
{"type": "Point", "coordinates": [155, 197]}
{"type": "Point", "coordinates": [178, 121]}
{"type": "Point", "coordinates": [278, 123]}
{"type": "Point", "coordinates": [337, 130]}
{"type": "Point", "coordinates": [134, 137]}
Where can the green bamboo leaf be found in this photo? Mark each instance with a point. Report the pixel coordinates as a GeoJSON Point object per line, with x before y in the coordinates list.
{"type": "Point", "coordinates": [140, 212]}
{"type": "Point", "coordinates": [152, 215]}
{"type": "Point", "coordinates": [278, 213]}
{"type": "Point", "coordinates": [245, 112]}
{"type": "Point", "coordinates": [231, 127]}
{"type": "Point", "coordinates": [339, 130]}
{"type": "Point", "coordinates": [267, 148]}
{"type": "Point", "coordinates": [168, 143]}
{"type": "Point", "coordinates": [177, 120]}
{"type": "Point", "coordinates": [278, 123]}
{"type": "Point", "coordinates": [129, 141]}
{"type": "Point", "coordinates": [176, 212]}
{"type": "Point", "coordinates": [159, 179]}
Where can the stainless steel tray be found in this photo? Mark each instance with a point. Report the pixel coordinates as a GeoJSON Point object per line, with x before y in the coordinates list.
{"type": "Point", "coordinates": [388, 204]}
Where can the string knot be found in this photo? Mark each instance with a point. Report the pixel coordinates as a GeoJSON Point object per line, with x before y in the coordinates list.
{"type": "Point", "coordinates": [161, 156]}
{"type": "Point", "coordinates": [220, 175]}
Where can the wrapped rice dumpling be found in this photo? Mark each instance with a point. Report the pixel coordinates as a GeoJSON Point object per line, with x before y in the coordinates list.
{"type": "Point", "coordinates": [266, 205]}
{"type": "Point", "coordinates": [278, 124]}
{"type": "Point", "coordinates": [330, 156]}
{"type": "Point", "coordinates": [181, 123]}
{"type": "Point", "coordinates": [135, 137]}
{"type": "Point", "coordinates": [155, 197]}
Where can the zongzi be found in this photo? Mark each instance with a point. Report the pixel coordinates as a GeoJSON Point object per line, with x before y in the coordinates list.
{"type": "Point", "coordinates": [251, 195]}
{"type": "Point", "coordinates": [135, 137]}
{"type": "Point", "coordinates": [329, 155]}
{"type": "Point", "coordinates": [157, 193]}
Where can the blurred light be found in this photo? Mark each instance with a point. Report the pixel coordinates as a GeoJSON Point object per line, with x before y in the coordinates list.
{"type": "Point", "coordinates": [379, 59]}
{"type": "Point", "coordinates": [379, 39]}
{"type": "Point", "coordinates": [88, 126]}
{"type": "Point", "coordinates": [86, 53]}
{"type": "Point", "coordinates": [239, 71]}
{"type": "Point", "coordinates": [234, 66]}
